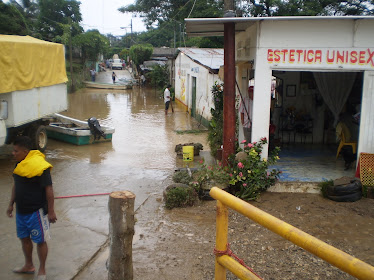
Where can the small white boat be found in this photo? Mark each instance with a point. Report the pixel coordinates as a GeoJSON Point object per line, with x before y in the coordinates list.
{"type": "Point", "coordinates": [77, 132]}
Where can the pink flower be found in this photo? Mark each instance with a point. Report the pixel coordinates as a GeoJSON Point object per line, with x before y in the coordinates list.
{"type": "Point", "coordinates": [244, 185]}
{"type": "Point", "coordinates": [210, 168]}
{"type": "Point", "coordinates": [240, 165]}
{"type": "Point", "coordinates": [230, 175]}
{"type": "Point", "coordinates": [254, 143]}
{"type": "Point", "coordinates": [263, 139]}
{"type": "Point", "coordinates": [244, 141]}
{"type": "Point", "coordinates": [240, 174]}
{"type": "Point", "coordinates": [250, 145]}
{"type": "Point", "coordinates": [268, 173]}
{"type": "Point", "coordinates": [220, 163]}
{"type": "Point", "coordinates": [201, 161]}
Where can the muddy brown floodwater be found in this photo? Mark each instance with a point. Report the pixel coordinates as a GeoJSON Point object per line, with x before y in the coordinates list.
{"type": "Point", "coordinates": [168, 244]}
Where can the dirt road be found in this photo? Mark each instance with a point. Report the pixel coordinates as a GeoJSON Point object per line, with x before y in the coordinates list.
{"type": "Point", "coordinates": [178, 243]}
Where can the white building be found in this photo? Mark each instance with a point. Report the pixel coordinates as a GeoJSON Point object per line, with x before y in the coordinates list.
{"type": "Point", "coordinates": [196, 71]}
{"type": "Point", "coordinates": [314, 59]}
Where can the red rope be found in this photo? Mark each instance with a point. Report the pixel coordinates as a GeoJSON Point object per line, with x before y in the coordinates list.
{"type": "Point", "coordinates": [81, 195]}
{"type": "Point", "coordinates": [231, 254]}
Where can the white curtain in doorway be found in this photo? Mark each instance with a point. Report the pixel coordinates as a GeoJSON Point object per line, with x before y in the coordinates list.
{"type": "Point", "coordinates": [335, 88]}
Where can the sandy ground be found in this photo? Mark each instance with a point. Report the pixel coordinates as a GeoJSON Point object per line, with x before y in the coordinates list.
{"type": "Point", "coordinates": [178, 243]}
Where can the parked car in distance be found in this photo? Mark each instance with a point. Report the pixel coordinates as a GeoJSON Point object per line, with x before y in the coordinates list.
{"type": "Point", "coordinates": [117, 64]}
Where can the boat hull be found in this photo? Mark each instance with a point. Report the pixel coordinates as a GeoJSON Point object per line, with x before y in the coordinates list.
{"type": "Point", "coordinates": [76, 139]}
{"type": "Point", "coordinates": [107, 86]}
{"type": "Point", "coordinates": [75, 131]}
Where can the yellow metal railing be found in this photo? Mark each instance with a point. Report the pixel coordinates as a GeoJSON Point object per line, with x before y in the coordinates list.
{"type": "Point", "coordinates": [341, 260]}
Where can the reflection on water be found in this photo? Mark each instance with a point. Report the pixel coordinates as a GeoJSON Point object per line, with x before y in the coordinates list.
{"type": "Point", "coordinates": [144, 136]}
{"type": "Point", "coordinates": [139, 158]}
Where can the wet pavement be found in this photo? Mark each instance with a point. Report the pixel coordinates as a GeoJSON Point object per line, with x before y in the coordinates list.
{"type": "Point", "coordinates": [140, 159]}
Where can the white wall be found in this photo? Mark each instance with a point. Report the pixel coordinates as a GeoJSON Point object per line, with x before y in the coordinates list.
{"type": "Point", "coordinates": [317, 42]}
{"type": "Point", "coordinates": [366, 140]}
{"type": "Point", "coordinates": [25, 106]}
{"type": "Point", "coordinates": [185, 70]}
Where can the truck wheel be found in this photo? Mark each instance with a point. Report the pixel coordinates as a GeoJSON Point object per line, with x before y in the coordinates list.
{"type": "Point", "coordinates": [39, 137]}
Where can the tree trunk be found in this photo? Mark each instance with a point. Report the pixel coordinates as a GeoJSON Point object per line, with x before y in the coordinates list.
{"type": "Point", "coordinates": [121, 231]}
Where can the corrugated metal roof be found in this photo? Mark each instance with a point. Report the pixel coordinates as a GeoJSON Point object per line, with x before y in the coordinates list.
{"type": "Point", "coordinates": [210, 58]}
{"type": "Point", "coordinates": [164, 51]}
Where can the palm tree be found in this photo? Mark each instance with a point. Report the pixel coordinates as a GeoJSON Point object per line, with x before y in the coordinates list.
{"type": "Point", "coordinates": [29, 10]}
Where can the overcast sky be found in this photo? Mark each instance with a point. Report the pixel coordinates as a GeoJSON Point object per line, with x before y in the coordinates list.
{"type": "Point", "coordinates": [104, 16]}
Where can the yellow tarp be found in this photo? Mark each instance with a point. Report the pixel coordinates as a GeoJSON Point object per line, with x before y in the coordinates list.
{"type": "Point", "coordinates": [26, 62]}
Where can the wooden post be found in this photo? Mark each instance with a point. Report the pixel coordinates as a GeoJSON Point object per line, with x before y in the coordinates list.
{"type": "Point", "coordinates": [121, 231]}
{"type": "Point", "coordinates": [229, 116]}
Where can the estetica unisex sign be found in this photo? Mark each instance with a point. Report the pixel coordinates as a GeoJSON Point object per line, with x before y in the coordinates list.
{"type": "Point", "coordinates": [342, 58]}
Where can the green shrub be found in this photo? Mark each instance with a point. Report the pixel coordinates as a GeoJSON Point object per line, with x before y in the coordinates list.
{"type": "Point", "coordinates": [182, 177]}
{"type": "Point", "coordinates": [215, 135]}
{"type": "Point", "coordinates": [180, 197]}
{"type": "Point", "coordinates": [247, 177]}
{"type": "Point", "coordinates": [324, 185]}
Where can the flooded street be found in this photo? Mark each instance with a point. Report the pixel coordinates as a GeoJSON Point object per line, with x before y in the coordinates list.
{"type": "Point", "coordinates": [168, 244]}
{"type": "Point", "coordinates": [140, 159]}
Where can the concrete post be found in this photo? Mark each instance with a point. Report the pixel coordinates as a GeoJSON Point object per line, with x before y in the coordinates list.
{"type": "Point", "coordinates": [121, 231]}
{"type": "Point", "coordinates": [261, 102]}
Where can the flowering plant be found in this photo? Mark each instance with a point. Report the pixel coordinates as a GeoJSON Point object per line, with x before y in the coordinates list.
{"type": "Point", "coordinates": [250, 175]}
{"type": "Point", "coordinates": [247, 173]}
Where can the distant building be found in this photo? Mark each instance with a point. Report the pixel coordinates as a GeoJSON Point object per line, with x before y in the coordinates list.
{"type": "Point", "coordinates": [167, 56]}
{"type": "Point", "coordinates": [196, 71]}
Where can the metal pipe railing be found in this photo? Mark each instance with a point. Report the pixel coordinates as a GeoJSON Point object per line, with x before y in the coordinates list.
{"type": "Point", "coordinates": [336, 257]}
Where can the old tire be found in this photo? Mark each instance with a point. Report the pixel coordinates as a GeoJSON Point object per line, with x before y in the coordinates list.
{"type": "Point", "coordinates": [341, 190]}
{"type": "Point", "coordinates": [39, 138]}
{"type": "Point", "coordinates": [346, 198]}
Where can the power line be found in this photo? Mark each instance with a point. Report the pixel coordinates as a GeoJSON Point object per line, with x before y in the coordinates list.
{"type": "Point", "coordinates": [167, 23]}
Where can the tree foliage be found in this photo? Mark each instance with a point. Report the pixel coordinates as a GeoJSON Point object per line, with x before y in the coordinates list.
{"type": "Point", "coordinates": [12, 22]}
{"type": "Point", "coordinates": [155, 12]}
{"type": "Point", "coordinates": [124, 53]}
{"type": "Point", "coordinates": [159, 76]}
{"type": "Point", "coordinates": [92, 44]}
{"type": "Point", "coordinates": [54, 14]}
{"type": "Point", "coordinates": [141, 53]}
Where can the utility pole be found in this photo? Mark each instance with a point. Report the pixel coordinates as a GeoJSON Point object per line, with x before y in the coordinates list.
{"type": "Point", "coordinates": [180, 35]}
{"type": "Point", "coordinates": [174, 37]}
{"type": "Point", "coordinates": [229, 116]}
{"type": "Point", "coordinates": [71, 58]}
{"type": "Point", "coordinates": [131, 32]}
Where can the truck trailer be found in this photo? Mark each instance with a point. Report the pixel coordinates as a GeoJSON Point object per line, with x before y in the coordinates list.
{"type": "Point", "coordinates": [32, 87]}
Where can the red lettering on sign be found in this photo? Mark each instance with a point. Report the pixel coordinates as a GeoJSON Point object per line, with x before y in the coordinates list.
{"type": "Point", "coordinates": [277, 56]}
{"type": "Point", "coordinates": [299, 52]}
{"type": "Point", "coordinates": [270, 55]}
{"type": "Point", "coordinates": [310, 56]}
{"type": "Point", "coordinates": [337, 56]}
{"type": "Point", "coordinates": [284, 54]}
{"type": "Point", "coordinates": [370, 59]}
{"type": "Point", "coordinates": [354, 57]}
{"type": "Point", "coordinates": [330, 59]}
{"type": "Point", "coordinates": [340, 57]}
{"type": "Point", "coordinates": [361, 58]}
{"type": "Point", "coordinates": [318, 56]}
{"type": "Point", "coordinates": [292, 56]}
